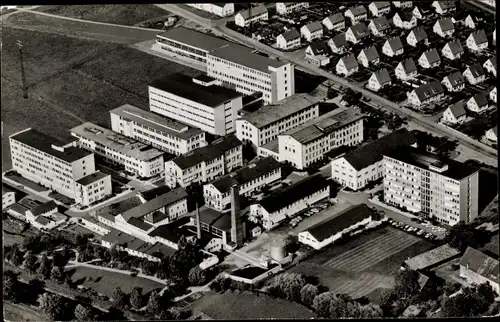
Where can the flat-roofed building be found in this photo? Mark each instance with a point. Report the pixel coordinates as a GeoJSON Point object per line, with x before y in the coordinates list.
{"type": "Point", "coordinates": [219, 9]}
{"type": "Point", "coordinates": [137, 158]}
{"type": "Point", "coordinates": [250, 73]}
{"type": "Point", "coordinates": [93, 188]}
{"type": "Point", "coordinates": [309, 142]}
{"type": "Point", "coordinates": [205, 164]}
{"type": "Point", "coordinates": [49, 162]}
{"type": "Point", "coordinates": [286, 202]}
{"type": "Point", "coordinates": [264, 125]}
{"type": "Point", "coordinates": [445, 190]}
{"type": "Point", "coordinates": [200, 102]}
{"type": "Point", "coordinates": [251, 178]}
{"type": "Point", "coordinates": [159, 131]}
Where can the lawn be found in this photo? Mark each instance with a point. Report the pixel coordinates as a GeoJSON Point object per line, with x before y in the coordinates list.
{"type": "Point", "coordinates": [108, 281]}
{"type": "Point", "coordinates": [21, 312]}
{"type": "Point", "coordinates": [248, 306]}
{"type": "Point", "coordinates": [120, 14]}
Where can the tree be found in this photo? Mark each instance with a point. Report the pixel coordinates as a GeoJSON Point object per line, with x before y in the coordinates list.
{"type": "Point", "coordinates": [45, 267]}
{"type": "Point", "coordinates": [83, 313]}
{"type": "Point", "coordinates": [136, 299]}
{"type": "Point", "coordinates": [321, 303]}
{"type": "Point", "coordinates": [30, 262]}
{"type": "Point", "coordinates": [371, 311]}
{"type": "Point", "coordinates": [10, 286]}
{"type": "Point", "coordinates": [57, 274]}
{"type": "Point", "coordinates": [119, 297]}
{"type": "Point", "coordinates": [153, 306]}
{"type": "Point", "coordinates": [149, 268]}
{"type": "Point", "coordinates": [51, 305]}
{"type": "Point", "coordinates": [197, 276]}
{"type": "Point", "coordinates": [407, 283]}
{"type": "Point", "coordinates": [462, 236]}
{"type": "Point", "coordinates": [308, 293]}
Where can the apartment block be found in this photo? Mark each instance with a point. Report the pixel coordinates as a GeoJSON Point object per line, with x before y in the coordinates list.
{"type": "Point", "coordinates": [93, 188]}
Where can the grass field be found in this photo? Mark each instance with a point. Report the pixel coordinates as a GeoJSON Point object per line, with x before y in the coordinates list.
{"type": "Point", "coordinates": [108, 281]}
{"type": "Point", "coordinates": [248, 306]}
{"type": "Point", "coordinates": [21, 312]}
{"type": "Point", "coordinates": [121, 14]}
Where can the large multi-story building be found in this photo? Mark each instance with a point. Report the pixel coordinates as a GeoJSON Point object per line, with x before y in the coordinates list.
{"type": "Point", "coordinates": [219, 9]}
{"type": "Point", "coordinates": [205, 164]}
{"type": "Point", "coordinates": [265, 124]}
{"type": "Point", "coordinates": [251, 178]}
{"type": "Point", "coordinates": [92, 188]}
{"type": "Point", "coordinates": [161, 132]}
{"type": "Point", "coordinates": [308, 143]}
{"type": "Point", "coordinates": [45, 160]}
{"type": "Point", "coordinates": [137, 158]}
{"type": "Point", "coordinates": [445, 190]}
{"type": "Point", "coordinates": [198, 101]}
{"type": "Point", "coordinates": [250, 73]}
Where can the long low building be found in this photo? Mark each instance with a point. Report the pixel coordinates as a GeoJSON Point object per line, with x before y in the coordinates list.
{"type": "Point", "coordinates": [251, 178]}
{"type": "Point", "coordinates": [275, 208]}
{"type": "Point", "coordinates": [198, 101]}
{"type": "Point", "coordinates": [364, 164]}
{"type": "Point", "coordinates": [267, 123]}
{"type": "Point", "coordinates": [308, 143]}
{"type": "Point", "coordinates": [328, 231]}
{"type": "Point", "coordinates": [205, 164]}
{"type": "Point", "coordinates": [137, 157]}
{"type": "Point", "coordinates": [431, 258]}
{"type": "Point", "coordinates": [161, 132]}
{"type": "Point", "coordinates": [219, 9]}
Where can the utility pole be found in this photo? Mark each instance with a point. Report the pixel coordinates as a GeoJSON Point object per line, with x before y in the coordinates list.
{"type": "Point", "coordinates": [23, 75]}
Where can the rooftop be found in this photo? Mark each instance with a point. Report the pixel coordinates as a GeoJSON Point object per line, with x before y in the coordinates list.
{"type": "Point", "coordinates": [253, 12]}
{"type": "Point", "coordinates": [446, 5]}
{"type": "Point", "coordinates": [215, 218]}
{"type": "Point", "coordinates": [291, 34]}
{"type": "Point", "coordinates": [432, 257]}
{"type": "Point", "coordinates": [419, 33]}
{"type": "Point", "coordinates": [381, 23]}
{"type": "Point", "coordinates": [280, 110]}
{"type": "Point", "coordinates": [314, 26]}
{"type": "Point", "coordinates": [93, 177]}
{"type": "Point", "coordinates": [157, 122]}
{"type": "Point", "coordinates": [432, 55]}
{"type": "Point", "coordinates": [404, 15]}
{"type": "Point", "coordinates": [481, 99]}
{"type": "Point", "coordinates": [117, 142]}
{"type": "Point", "coordinates": [371, 53]}
{"type": "Point", "coordinates": [44, 208]}
{"type": "Point", "coordinates": [479, 37]}
{"type": "Point", "coordinates": [408, 65]}
{"type": "Point", "coordinates": [395, 43]}
{"type": "Point", "coordinates": [155, 192]}
{"type": "Point", "coordinates": [320, 47]}
{"type": "Point", "coordinates": [297, 191]}
{"type": "Point", "coordinates": [445, 24]}
{"type": "Point", "coordinates": [245, 57]}
{"type": "Point", "coordinates": [476, 70]}
{"type": "Point", "coordinates": [426, 91]}
{"type": "Point", "coordinates": [43, 220]}
{"type": "Point", "coordinates": [109, 212]}
{"type": "Point", "coordinates": [455, 46]}
{"type": "Point", "coordinates": [271, 146]}
{"type": "Point", "coordinates": [341, 221]}
{"type": "Point", "coordinates": [193, 38]}
{"type": "Point", "coordinates": [349, 61]}
{"type": "Point", "coordinates": [357, 11]}
{"type": "Point", "coordinates": [458, 109]}
{"type": "Point", "coordinates": [339, 40]}
{"type": "Point", "coordinates": [382, 76]}
{"type": "Point", "coordinates": [167, 233]}
{"type": "Point", "coordinates": [382, 4]}
{"type": "Point", "coordinates": [142, 225]}
{"type": "Point", "coordinates": [359, 30]}
{"type": "Point", "coordinates": [183, 86]}
{"type": "Point", "coordinates": [336, 18]}
{"type": "Point", "coordinates": [43, 142]}
{"type": "Point", "coordinates": [160, 248]}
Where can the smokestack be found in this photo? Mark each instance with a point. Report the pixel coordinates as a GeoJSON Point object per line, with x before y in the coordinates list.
{"type": "Point", "coordinates": [236, 235]}
{"type": "Point", "coordinates": [198, 224]}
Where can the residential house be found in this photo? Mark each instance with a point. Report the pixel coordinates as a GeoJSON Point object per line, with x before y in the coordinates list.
{"type": "Point", "coordinates": [430, 59]}
{"type": "Point", "coordinates": [425, 94]}
{"type": "Point", "coordinates": [369, 56]}
{"type": "Point", "coordinates": [491, 66]}
{"type": "Point", "coordinates": [454, 82]}
{"type": "Point", "coordinates": [404, 20]}
{"type": "Point", "coordinates": [379, 26]}
{"type": "Point", "coordinates": [285, 8]}
{"type": "Point", "coordinates": [8, 197]}
{"type": "Point", "coordinates": [45, 216]}
{"type": "Point", "coordinates": [470, 22]}
{"type": "Point", "coordinates": [379, 79]}
{"type": "Point", "coordinates": [356, 14]}
{"type": "Point", "coordinates": [478, 103]}
{"type": "Point", "coordinates": [334, 22]}
{"type": "Point", "coordinates": [357, 32]}
{"type": "Point", "coordinates": [444, 7]}
{"type": "Point", "coordinates": [379, 8]}
{"type": "Point", "coordinates": [311, 31]}
{"type": "Point", "coordinates": [288, 40]}
{"type": "Point", "coordinates": [475, 74]}
{"type": "Point", "coordinates": [453, 50]}
{"type": "Point", "coordinates": [406, 69]}
{"type": "Point", "coordinates": [477, 41]}
{"type": "Point", "coordinates": [478, 268]}
{"type": "Point", "coordinates": [219, 9]}
{"type": "Point", "coordinates": [92, 188]}
{"type": "Point", "coordinates": [422, 11]}
{"type": "Point", "coordinates": [491, 134]}
{"type": "Point", "coordinates": [338, 44]}
{"type": "Point", "coordinates": [403, 4]}
{"type": "Point", "coordinates": [318, 53]}
{"type": "Point", "coordinates": [455, 113]}
{"type": "Point", "coordinates": [417, 36]}
{"type": "Point", "coordinates": [347, 65]}
{"type": "Point", "coordinates": [393, 47]}
{"type": "Point", "coordinates": [444, 27]}
{"type": "Point", "coordinates": [246, 17]}
{"type": "Point", "coordinates": [493, 95]}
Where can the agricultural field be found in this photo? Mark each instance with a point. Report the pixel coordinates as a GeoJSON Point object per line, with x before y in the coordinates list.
{"type": "Point", "coordinates": [120, 14]}
{"type": "Point", "coordinates": [245, 305]}
{"type": "Point", "coordinates": [365, 263]}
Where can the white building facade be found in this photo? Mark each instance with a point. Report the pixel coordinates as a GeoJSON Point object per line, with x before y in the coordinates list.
{"type": "Point", "coordinates": [219, 9]}
{"type": "Point", "coordinates": [92, 188]}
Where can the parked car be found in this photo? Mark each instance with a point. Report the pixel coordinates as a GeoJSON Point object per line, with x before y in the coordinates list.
{"type": "Point", "coordinates": [420, 233]}
{"type": "Point", "coordinates": [406, 226]}
{"type": "Point", "coordinates": [315, 210]}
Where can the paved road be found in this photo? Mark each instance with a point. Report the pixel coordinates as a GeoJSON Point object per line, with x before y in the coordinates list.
{"type": "Point", "coordinates": [378, 101]}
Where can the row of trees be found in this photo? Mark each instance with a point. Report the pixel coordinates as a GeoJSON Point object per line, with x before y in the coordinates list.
{"type": "Point", "coordinates": [473, 301]}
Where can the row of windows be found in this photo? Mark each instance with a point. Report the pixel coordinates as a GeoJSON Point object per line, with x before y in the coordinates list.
{"type": "Point", "coordinates": [171, 113]}
{"type": "Point", "coordinates": [181, 105]}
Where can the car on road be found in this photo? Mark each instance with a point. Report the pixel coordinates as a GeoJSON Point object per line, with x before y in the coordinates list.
{"type": "Point", "coordinates": [428, 235]}
{"type": "Point", "coordinates": [420, 232]}
{"type": "Point", "coordinates": [300, 218]}
{"type": "Point", "coordinates": [315, 210]}
{"type": "Point", "coordinates": [293, 224]}
{"type": "Point", "coordinates": [394, 224]}
{"type": "Point", "coordinates": [406, 227]}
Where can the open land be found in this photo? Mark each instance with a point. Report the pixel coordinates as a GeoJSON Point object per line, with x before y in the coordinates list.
{"type": "Point", "coordinates": [20, 312]}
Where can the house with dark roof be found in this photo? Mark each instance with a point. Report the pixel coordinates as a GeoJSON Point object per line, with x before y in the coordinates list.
{"type": "Point", "coordinates": [330, 230]}
{"type": "Point", "coordinates": [393, 47]}
{"type": "Point", "coordinates": [432, 258]}
{"type": "Point", "coordinates": [286, 202]}
{"type": "Point", "coordinates": [417, 36]}
{"type": "Point", "coordinates": [406, 69]}
{"type": "Point", "coordinates": [425, 94]}
{"type": "Point", "coordinates": [249, 179]}
{"type": "Point", "coordinates": [364, 164]}
{"type": "Point", "coordinates": [214, 223]}
{"type": "Point", "coordinates": [369, 56]}
{"type": "Point", "coordinates": [403, 4]}
{"type": "Point", "coordinates": [379, 79]}
{"type": "Point", "coordinates": [475, 74]}
{"type": "Point", "coordinates": [334, 22]}
{"type": "Point", "coordinates": [338, 43]}
{"type": "Point", "coordinates": [347, 65]}
{"type": "Point", "coordinates": [379, 8]}
{"type": "Point", "coordinates": [356, 14]}
{"type": "Point", "coordinates": [45, 215]}
{"type": "Point", "coordinates": [455, 113]}
{"type": "Point", "coordinates": [491, 66]}
{"type": "Point", "coordinates": [444, 7]}
{"type": "Point", "coordinates": [379, 26]}
{"type": "Point", "coordinates": [478, 268]}
{"type": "Point", "coordinates": [477, 41]}
{"type": "Point", "coordinates": [311, 31]}
{"type": "Point", "coordinates": [429, 59]}
{"type": "Point", "coordinates": [285, 8]}
{"type": "Point", "coordinates": [454, 82]}
{"type": "Point", "coordinates": [453, 50]}
{"type": "Point", "coordinates": [404, 20]}
{"type": "Point", "coordinates": [288, 40]}
{"type": "Point", "coordinates": [251, 15]}
{"type": "Point", "coordinates": [318, 52]}
{"type": "Point", "coordinates": [357, 32]}
{"type": "Point", "coordinates": [444, 27]}
{"type": "Point", "coordinates": [423, 11]}
{"type": "Point", "coordinates": [478, 103]}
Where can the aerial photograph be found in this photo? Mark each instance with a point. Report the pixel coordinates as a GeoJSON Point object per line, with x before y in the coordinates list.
{"type": "Point", "coordinates": [244, 161]}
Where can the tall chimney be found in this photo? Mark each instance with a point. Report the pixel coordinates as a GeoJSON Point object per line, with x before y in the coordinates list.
{"type": "Point", "coordinates": [236, 235]}
{"type": "Point", "coordinates": [198, 224]}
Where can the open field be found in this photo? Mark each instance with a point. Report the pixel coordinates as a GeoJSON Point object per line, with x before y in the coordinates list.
{"type": "Point", "coordinates": [122, 14]}
{"type": "Point", "coordinates": [108, 281]}
{"type": "Point", "coordinates": [248, 306]}
{"type": "Point", "coordinates": [21, 312]}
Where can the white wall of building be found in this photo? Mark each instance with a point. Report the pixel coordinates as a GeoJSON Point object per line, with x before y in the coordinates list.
{"type": "Point", "coordinates": [222, 11]}
{"type": "Point", "coordinates": [93, 192]}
